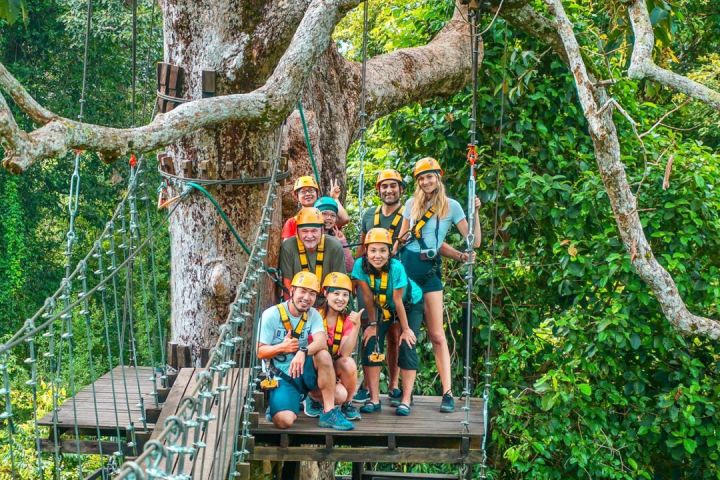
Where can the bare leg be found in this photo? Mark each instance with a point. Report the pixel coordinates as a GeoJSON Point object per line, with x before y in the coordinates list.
{"type": "Point", "coordinates": [325, 378]}
{"type": "Point", "coordinates": [434, 323]}
{"type": "Point", "coordinates": [393, 347]}
{"type": "Point", "coordinates": [372, 382]}
{"type": "Point", "coordinates": [346, 371]}
{"type": "Point", "coordinates": [408, 382]}
{"type": "Point", "coordinates": [284, 419]}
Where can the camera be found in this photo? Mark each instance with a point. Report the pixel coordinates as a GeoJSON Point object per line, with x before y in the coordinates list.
{"type": "Point", "coordinates": [428, 254]}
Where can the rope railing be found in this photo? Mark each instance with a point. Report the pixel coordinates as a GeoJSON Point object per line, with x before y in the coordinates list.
{"type": "Point", "coordinates": [90, 327]}
{"type": "Point", "coordinates": [186, 447]}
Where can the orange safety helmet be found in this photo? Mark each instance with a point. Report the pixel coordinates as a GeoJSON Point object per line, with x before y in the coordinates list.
{"type": "Point", "coordinates": [306, 280]}
{"type": "Point", "coordinates": [425, 165]}
{"type": "Point", "coordinates": [338, 280]}
{"type": "Point", "coordinates": [309, 217]}
{"type": "Point", "coordinates": [306, 181]}
{"type": "Point", "coordinates": [378, 235]}
{"type": "Point", "coordinates": [389, 174]}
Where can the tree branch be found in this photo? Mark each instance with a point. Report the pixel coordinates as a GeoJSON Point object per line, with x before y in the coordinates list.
{"type": "Point", "coordinates": [408, 75]}
{"type": "Point", "coordinates": [623, 202]}
{"type": "Point", "coordinates": [265, 106]}
{"type": "Point", "coordinates": [643, 66]}
{"type": "Point", "coordinates": [23, 99]}
{"type": "Point", "coordinates": [9, 131]}
{"type": "Point", "coordinates": [520, 14]}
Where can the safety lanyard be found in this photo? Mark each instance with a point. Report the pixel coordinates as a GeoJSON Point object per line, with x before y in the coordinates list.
{"type": "Point", "coordinates": [304, 265]}
{"type": "Point", "coordinates": [337, 336]}
{"type": "Point", "coordinates": [395, 221]}
{"type": "Point", "coordinates": [380, 297]}
{"type": "Point", "coordinates": [297, 331]}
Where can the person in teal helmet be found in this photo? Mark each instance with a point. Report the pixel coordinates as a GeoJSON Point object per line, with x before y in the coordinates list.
{"type": "Point", "coordinates": [329, 208]}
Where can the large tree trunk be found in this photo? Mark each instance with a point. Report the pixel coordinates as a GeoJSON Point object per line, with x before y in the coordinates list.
{"type": "Point", "coordinates": [206, 260]}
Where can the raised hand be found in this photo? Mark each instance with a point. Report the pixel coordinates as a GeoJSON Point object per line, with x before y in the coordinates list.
{"type": "Point", "coordinates": [335, 190]}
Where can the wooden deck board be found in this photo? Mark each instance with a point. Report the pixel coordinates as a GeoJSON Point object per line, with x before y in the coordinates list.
{"type": "Point", "coordinates": [425, 419]}
{"type": "Point", "coordinates": [108, 403]}
{"type": "Point", "coordinates": [218, 436]}
{"type": "Point", "coordinates": [427, 435]}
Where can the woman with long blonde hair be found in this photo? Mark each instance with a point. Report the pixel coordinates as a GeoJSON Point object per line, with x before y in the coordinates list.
{"type": "Point", "coordinates": [427, 218]}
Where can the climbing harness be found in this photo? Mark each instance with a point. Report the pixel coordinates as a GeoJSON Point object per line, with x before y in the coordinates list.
{"type": "Point", "coordinates": [337, 332]}
{"type": "Point", "coordinates": [380, 299]}
{"type": "Point", "coordinates": [304, 265]}
{"type": "Point", "coordinates": [395, 221]}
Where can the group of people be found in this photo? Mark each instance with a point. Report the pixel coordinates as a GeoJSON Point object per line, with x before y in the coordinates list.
{"type": "Point", "coordinates": [306, 342]}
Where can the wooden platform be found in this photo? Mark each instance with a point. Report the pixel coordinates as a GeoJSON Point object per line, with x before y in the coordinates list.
{"type": "Point", "coordinates": [426, 436]}
{"type": "Point", "coordinates": [219, 436]}
{"type": "Point", "coordinates": [113, 414]}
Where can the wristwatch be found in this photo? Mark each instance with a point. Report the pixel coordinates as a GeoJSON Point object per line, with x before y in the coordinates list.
{"type": "Point", "coordinates": [303, 349]}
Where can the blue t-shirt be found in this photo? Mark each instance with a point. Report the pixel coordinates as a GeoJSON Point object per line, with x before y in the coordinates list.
{"type": "Point", "coordinates": [455, 216]}
{"type": "Point", "coordinates": [397, 278]}
{"type": "Point", "coordinates": [273, 332]}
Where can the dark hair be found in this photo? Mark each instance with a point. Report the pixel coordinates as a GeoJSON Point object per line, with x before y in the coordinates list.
{"type": "Point", "coordinates": [369, 269]}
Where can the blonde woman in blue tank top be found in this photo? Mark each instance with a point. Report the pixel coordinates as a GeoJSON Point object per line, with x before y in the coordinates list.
{"type": "Point", "coordinates": [428, 216]}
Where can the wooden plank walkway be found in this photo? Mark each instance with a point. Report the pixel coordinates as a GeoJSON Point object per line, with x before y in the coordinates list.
{"type": "Point", "coordinates": [219, 436]}
{"type": "Point", "coordinates": [115, 410]}
{"type": "Point", "coordinates": [426, 436]}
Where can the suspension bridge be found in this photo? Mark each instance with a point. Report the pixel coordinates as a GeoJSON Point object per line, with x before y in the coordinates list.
{"type": "Point", "coordinates": [102, 393]}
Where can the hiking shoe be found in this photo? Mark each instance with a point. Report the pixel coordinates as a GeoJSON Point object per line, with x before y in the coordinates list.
{"type": "Point", "coordinates": [371, 407]}
{"type": "Point", "coordinates": [361, 396]}
{"type": "Point", "coordinates": [312, 408]}
{"type": "Point", "coordinates": [350, 411]}
{"type": "Point", "coordinates": [447, 404]}
{"type": "Point", "coordinates": [335, 419]}
{"type": "Point", "coordinates": [395, 396]}
{"type": "Point", "coordinates": [403, 410]}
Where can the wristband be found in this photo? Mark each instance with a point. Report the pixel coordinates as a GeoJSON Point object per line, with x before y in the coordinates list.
{"type": "Point", "coordinates": [372, 324]}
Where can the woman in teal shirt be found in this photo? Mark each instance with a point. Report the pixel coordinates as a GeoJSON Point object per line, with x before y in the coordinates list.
{"type": "Point", "coordinates": [389, 296]}
{"type": "Point", "coordinates": [428, 216]}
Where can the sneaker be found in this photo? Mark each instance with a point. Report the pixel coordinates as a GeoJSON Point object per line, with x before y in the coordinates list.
{"type": "Point", "coordinates": [311, 407]}
{"type": "Point", "coordinates": [335, 419]}
{"type": "Point", "coordinates": [350, 411]}
{"type": "Point", "coordinates": [371, 407]}
{"type": "Point", "coordinates": [447, 404]}
{"type": "Point", "coordinates": [403, 410]}
{"type": "Point", "coordinates": [395, 396]}
{"type": "Point", "coordinates": [361, 396]}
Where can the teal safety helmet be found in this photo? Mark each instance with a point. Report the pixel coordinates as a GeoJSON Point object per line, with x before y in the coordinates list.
{"type": "Point", "coordinates": [326, 203]}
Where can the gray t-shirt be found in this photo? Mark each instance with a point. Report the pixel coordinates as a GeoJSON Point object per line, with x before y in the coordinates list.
{"type": "Point", "coordinates": [334, 258]}
{"type": "Point", "coordinates": [272, 331]}
{"type": "Point", "coordinates": [368, 220]}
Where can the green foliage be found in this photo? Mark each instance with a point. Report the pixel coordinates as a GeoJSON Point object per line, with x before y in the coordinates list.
{"type": "Point", "coordinates": [12, 10]}
{"type": "Point", "coordinates": [589, 379]}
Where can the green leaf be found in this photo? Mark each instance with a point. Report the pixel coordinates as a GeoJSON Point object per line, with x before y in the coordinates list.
{"type": "Point", "coordinates": [547, 402]}
{"type": "Point", "coordinates": [635, 341]}
{"type": "Point", "coordinates": [585, 389]}
{"type": "Point", "coordinates": [690, 445]}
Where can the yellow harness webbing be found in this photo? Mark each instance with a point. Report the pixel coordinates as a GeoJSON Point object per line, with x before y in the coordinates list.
{"type": "Point", "coordinates": [337, 336]}
{"type": "Point", "coordinates": [285, 317]}
{"type": "Point", "coordinates": [417, 231]}
{"type": "Point", "coordinates": [395, 222]}
{"type": "Point", "coordinates": [380, 297]}
{"type": "Point", "coordinates": [304, 265]}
